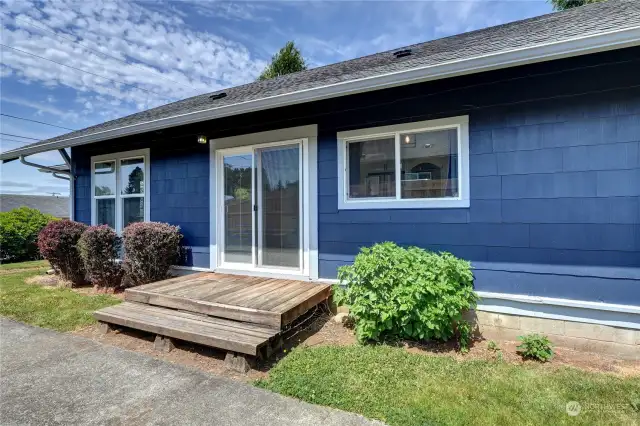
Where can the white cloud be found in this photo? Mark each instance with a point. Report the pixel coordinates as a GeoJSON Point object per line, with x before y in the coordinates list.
{"type": "Point", "coordinates": [171, 61]}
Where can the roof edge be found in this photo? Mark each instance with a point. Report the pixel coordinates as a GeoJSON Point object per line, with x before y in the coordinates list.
{"type": "Point", "coordinates": [618, 39]}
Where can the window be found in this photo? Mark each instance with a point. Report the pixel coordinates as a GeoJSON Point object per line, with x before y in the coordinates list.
{"type": "Point", "coordinates": [414, 165]}
{"type": "Point", "coordinates": [120, 187]}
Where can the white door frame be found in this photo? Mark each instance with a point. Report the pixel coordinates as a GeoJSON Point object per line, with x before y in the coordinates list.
{"type": "Point", "coordinates": [308, 201]}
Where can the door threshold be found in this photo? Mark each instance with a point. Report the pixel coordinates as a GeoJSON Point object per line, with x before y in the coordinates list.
{"type": "Point", "coordinates": [267, 274]}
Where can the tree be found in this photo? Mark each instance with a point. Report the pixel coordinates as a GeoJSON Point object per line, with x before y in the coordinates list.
{"type": "Point", "coordinates": [568, 4]}
{"type": "Point", "coordinates": [288, 60]}
{"type": "Point", "coordinates": [135, 182]}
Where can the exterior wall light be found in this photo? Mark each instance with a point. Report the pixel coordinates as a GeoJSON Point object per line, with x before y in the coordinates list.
{"type": "Point", "coordinates": [202, 139]}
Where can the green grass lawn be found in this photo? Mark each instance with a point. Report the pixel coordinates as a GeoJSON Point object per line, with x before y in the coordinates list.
{"type": "Point", "coordinates": [57, 308]}
{"type": "Point", "coordinates": [405, 389]}
{"type": "Point", "coordinates": [34, 264]}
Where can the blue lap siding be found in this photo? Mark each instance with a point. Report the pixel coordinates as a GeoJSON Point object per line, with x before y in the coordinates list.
{"type": "Point", "coordinates": [554, 166]}
{"type": "Point", "coordinates": [179, 188]}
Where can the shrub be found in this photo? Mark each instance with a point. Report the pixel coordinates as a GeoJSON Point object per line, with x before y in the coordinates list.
{"type": "Point", "coordinates": [465, 335]}
{"type": "Point", "coordinates": [536, 346]}
{"type": "Point", "coordinates": [58, 243]}
{"type": "Point", "coordinates": [406, 293]}
{"type": "Point", "coordinates": [99, 249]}
{"type": "Point", "coordinates": [150, 249]}
{"type": "Point", "coordinates": [19, 230]}
{"type": "Point", "coordinates": [493, 346]}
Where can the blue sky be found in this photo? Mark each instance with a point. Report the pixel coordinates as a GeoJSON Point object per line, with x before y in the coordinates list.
{"type": "Point", "coordinates": [155, 52]}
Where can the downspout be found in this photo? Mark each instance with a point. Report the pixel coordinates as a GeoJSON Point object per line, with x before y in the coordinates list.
{"type": "Point", "coordinates": [60, 174]}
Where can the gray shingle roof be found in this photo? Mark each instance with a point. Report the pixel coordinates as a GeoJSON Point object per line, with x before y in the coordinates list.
{"type": "Point", "coordinates": [55, 206]}
{"type": "Point", "coordinates": [556, 27]}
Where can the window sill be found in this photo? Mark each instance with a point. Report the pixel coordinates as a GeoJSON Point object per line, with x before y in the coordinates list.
{"type": "Point", "coordinates": [443, 203]}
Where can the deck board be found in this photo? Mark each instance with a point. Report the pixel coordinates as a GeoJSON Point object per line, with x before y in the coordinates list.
{"type": "Point", "coordinates": [208, 331]}
{"type": "Point", "coordinates": [266, 301]}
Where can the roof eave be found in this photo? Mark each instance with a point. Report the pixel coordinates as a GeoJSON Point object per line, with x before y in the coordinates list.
{"type": "Point", "coordinates": [600, 42]}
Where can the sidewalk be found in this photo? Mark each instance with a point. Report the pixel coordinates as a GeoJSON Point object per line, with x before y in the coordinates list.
{"type": "Point", "coordinates": [48, 377]}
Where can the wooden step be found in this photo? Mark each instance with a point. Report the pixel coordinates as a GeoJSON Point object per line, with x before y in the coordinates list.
{"type": "Point", "coordinates": [221, 310]}
{"type": "Point", "coordinates": [209, 331]}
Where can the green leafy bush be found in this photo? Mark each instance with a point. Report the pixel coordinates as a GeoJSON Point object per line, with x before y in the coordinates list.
{"type": "Point", "coordinates": [465, 335]}
{"type": "Point", "coordinates": [150, 249]}
{"type": "Point", "coordinates": [395, 292]}
{"type": "Point", "coordinates": [58, 243]}
{"type": "Point", "coordinates": [99, 249]}
{"type": "Point", "coordinates": [535, 346]}
{"type": "Point", "coordinates": [19, 230]}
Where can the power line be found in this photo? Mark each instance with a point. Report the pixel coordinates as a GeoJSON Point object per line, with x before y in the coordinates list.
{"type": "Point", "coordinates": [50, 30]}
{"type": "Point", "coordinates": [3, 139]}
{"type": "Point", "coordinates": [81, 70]}
{"type": "Point", "coordinates": [35, 121]}
{"type": "Point", "coordinates": [19, 136]}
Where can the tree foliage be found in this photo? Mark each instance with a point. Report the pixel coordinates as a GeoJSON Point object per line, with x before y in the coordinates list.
{"type": "Point", "coordinates": [569, 4]}
{"type": "Point", "coordinates": [19, 230]}
{"type": "Point", "coordinates": [288, 60]}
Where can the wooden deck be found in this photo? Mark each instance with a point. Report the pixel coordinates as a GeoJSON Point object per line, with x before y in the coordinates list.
{"type": "Point", "coordinates": [257, 300]}
{"type": "Point", "coordinates": [240, 314]}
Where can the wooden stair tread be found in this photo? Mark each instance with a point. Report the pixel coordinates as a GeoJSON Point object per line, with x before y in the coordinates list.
{"type": "Point", "coordinates": [216, 332]}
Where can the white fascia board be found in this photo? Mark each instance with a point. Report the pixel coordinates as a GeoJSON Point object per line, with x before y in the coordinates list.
{"type": "Point", "coordinates": [617, 39]}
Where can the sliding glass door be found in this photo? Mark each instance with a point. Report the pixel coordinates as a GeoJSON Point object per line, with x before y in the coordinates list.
{"type": "Point", "coordinates": [262, 207]}
{"type": "Point", "coordinates": [238, 208]}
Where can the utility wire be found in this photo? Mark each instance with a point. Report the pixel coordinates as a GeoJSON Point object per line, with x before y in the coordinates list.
{"type": "Point", "coordinates": [52, 31]}
{"type": "Point", "coordinates": [35, 121]}
{"type": "Point", "coordinates": [18, 136]}
{"type": "Point", "coordinates": [88, 72]}
{"type": "Point", "coordinates": [3, 139]}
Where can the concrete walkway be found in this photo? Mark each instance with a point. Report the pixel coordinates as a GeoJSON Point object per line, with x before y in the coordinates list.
{"type": "Point", "coordinates": [53, 378]}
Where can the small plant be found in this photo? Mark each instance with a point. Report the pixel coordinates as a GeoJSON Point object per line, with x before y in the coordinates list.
{"type": "Point", "coordinates": [493, 346]}
{"type": "Point", "coordinates": [395, 292]}
{"type": "Point", "coordinates": [465, 335]}
{"type": "Point", "coordinates": [99, 248]}
{"type": "Point", "coordinates": [536, 346]}
{"type": "Point", "coordinates": [150, 249]}
{"type": "Point", "coordinates": [19, 229]}
{"type": "Point", "coordinates": [58, 243]}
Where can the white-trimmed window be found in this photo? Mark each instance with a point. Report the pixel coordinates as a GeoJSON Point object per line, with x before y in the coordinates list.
{"type": "Point", "coordinates": [415, 165]}
{"type": "Point", "coordinates": [120, 188]}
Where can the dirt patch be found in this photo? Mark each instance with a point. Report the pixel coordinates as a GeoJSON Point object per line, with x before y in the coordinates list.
{"type": "Point", "coordinates": [318, 328]}
{"type": "Point", "coordinates": [54, 281]}
{"type": "Point", "coordinates": [45, 281]}
{"type": "Point", "coordinates": [507, 352]}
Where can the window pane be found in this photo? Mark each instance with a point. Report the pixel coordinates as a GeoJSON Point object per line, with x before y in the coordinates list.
{"type": "Point", "coordinates": [371, 168]}
{"type": "Point", "coordinates": [132, 176]}
{"type": "Point", "coordinates": [104, 178]}
{"type": "Point", "coordinates": [429, 162]}
{"type": "Point", "coordinates": [132, 210]}
{"type": "Point", "coordinates": [106, 212]}
{"type": "Point", "coordinates": [238, 209]}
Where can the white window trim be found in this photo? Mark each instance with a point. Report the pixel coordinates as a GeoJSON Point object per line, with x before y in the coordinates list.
{"type": "Point", "coordinates": [117, 158]}
{"type": "Point", "coordinates": [461, 123]}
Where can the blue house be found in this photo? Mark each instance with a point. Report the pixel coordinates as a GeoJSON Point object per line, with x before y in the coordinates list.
{"type": "Point", "coordinates": [516, 147]}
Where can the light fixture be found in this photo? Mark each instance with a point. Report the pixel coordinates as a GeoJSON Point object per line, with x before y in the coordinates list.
{"type": "Point", "coordinates": [409, 141]}
{"type": "Point", "coordinates": [202, 139]}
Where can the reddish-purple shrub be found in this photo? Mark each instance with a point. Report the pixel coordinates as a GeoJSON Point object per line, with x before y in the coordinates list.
{"type": "Point", "coordinates": [57, 243]}
{"type": "Point", "coordinates": [150, 248]}
{"type": "Point", "coordinates": [99, 249]}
